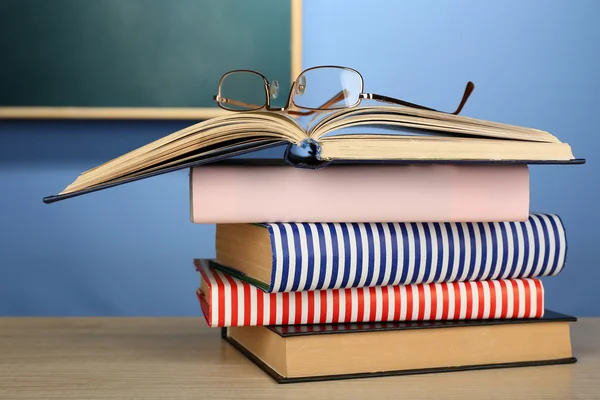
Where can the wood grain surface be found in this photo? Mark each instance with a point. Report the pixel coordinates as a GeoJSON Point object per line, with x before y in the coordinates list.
{"type": "Point", "coordinates": [180, 358]}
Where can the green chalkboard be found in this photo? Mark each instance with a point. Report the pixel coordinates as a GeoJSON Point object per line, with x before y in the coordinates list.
{"type": "Point", "coordinates": [125, 55]}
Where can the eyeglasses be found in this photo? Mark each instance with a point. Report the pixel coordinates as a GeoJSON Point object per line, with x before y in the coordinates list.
{"type": "Point", "coordinates": [318, 88]}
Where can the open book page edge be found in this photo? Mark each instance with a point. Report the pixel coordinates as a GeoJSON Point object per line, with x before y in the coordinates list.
{"type": "Point", "coordinates": [430, 118]}
{"type": "Point", "coordinates": [213, 131]}
{"type": "Point", "coordinates": [424, 127]}
{"type": "Point", "coordinates": [214, 158]}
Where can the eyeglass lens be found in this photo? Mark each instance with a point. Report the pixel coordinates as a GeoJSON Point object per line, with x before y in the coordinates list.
{"type": "Point", "coordinates": [317, 87]}
{"type": "Point", "coordinates": [243, 90]}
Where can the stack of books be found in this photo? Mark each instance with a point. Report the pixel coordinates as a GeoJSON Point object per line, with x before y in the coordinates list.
{"type": "Point", "coordinates": [363, 254]}
{"type": "Point", "coordinates": [379, 269]}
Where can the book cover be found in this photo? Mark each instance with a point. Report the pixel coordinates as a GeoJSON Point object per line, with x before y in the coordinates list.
{"type": "Point", "coordinates": [310, 331]}
{"type": "Point", "coordinates": [315, 256]}
{"type": "Point", "coordinates": [359, 193]}
{"type": "Point", "coordinates": [228, 301]}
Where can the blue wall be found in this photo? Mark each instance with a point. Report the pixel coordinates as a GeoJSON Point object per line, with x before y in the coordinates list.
{"type": "Point", "coordinates": [534, 63]}
{"type": "Point", "coordinates": [128, 250]}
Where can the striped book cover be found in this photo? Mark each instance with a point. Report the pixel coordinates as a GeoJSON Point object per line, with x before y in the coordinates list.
{"type": "Point", "coordinates": [228, 301]}
{"type": "Point", "coordinates": [315, 256]}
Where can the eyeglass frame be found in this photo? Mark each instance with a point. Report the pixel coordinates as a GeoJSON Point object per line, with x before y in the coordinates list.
{"type": "Point", "coordinates": [341, 95]}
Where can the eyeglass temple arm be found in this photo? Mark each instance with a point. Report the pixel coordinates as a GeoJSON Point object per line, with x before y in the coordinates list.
{"type": "Point", "coordinates": [468, 90]}
{"type": "Point", "coordinates": [338, 97]}
{"type": "Point", "coordinates": [236, 102]}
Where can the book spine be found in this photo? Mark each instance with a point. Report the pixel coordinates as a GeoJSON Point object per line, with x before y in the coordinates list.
{"type": "Point", "coordinates": [360, 193]}
{"type": "Point", "coordinates": [236, 303]}
{"type": "Point", "coordinates": [315, 256]}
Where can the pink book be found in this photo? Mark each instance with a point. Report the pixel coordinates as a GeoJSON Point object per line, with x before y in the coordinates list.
{"type": "Point", "coordinates": [228, 301]}
{"type": "Point", "coordinates": [359, 193]}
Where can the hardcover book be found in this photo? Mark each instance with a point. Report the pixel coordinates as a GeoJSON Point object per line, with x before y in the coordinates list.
{"type": "Point", "coordinates": [417, 136]}
{"type": "Point", "coordinates": [289, 257]}
{"type": "Point", "coordinates": [237, 192]}
{"type": "Point", "coordinates": [342, 351]}
{"type": "Point", "coordinates": [228, 301]}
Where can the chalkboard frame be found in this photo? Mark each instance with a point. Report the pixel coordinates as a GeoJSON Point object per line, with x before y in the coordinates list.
{"type": "Point", "coordinates": [175, 113]}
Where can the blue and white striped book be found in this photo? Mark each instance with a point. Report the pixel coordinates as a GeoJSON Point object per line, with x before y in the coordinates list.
{"type": "Point", "coordinates": [286, 257]}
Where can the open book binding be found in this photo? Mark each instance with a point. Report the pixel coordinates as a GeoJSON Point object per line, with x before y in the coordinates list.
{"type": "Point", "coordinates": [417, 136]}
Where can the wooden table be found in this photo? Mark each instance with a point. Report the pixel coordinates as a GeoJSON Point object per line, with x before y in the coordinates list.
{"type": "Point", "coordinates": [180, 358]}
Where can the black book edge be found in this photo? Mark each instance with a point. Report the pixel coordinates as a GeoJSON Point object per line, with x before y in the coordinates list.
{"type": "Point", "coordinates": [553, 317]}
{"type": "Point", "coordinates": [302, 158]}
{"type": "Point", "coordinates": [308, 155]}
{"type": "Point", "coordinates": [574, 161]}
{"type": "Point", "coordinates": [324, 329]}
{"type": "Point", "coordinates": [282, 162]}
{"type": "Point", "coordinates": [341, 328]}
{"type": "Point", "coordinates": [239, 275]}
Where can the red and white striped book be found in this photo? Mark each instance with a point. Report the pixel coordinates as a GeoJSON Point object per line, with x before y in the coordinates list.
{"type": "Point", "coordinates": [228, 301]}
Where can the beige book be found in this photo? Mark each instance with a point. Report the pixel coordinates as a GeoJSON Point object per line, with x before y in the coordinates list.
{"type": "Point", "coordinates": [322, 352]}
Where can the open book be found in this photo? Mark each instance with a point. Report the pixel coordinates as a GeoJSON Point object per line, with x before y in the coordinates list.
{"type": "Point", "coordinates": [416, 136]}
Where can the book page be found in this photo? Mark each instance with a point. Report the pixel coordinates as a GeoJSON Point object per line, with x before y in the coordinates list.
{"type": "Point", "coordinates": [187, 142]}
{"type": "Point", "coordinates": [425, 120]}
